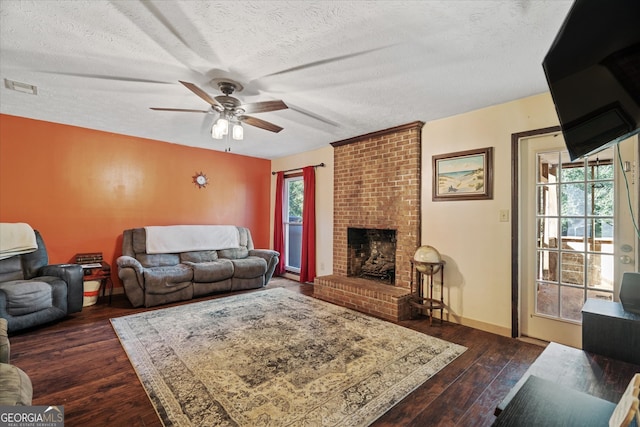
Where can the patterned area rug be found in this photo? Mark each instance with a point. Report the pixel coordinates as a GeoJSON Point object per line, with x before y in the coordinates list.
{"type": "Point", "coordinates": [275, 358]}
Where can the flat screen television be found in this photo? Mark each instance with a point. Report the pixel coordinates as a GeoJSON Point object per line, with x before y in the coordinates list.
{"type": "Point", "coordinates": [593, 73]}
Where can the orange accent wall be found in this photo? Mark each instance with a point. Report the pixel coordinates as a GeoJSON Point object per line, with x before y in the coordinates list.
{"type": "Point", "coordinates": [81, 188]}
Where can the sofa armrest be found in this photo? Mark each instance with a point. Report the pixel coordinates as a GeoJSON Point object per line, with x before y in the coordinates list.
{"type": "Point", "coordinates": [125, 261]}
{"type": "Point", "coordinates": [130, 271]}
{"type": "Point", "coordinates": [272, 258]}
{"type": "Point", "coordinates": [73, 276]}
{"type": "Point", "coordinates": [267, 254]}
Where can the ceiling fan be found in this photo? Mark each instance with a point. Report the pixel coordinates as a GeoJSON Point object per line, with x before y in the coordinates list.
{"type": "Point", "coordinates": [231, 110]}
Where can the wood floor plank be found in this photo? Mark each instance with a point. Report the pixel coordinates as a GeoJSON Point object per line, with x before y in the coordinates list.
{"type": "Point", "coordinates": [503, 382]}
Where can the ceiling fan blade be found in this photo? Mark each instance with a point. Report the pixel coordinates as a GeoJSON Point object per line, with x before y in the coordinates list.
{"type": "Point", "coordinates": [107, 77]}
{"type": "Point", "coordinates": [314, 116]}
{"type": "Point", "coordinates": [202, 94]}
{"type": "Point", "coordinates": [327, 61]}
{"type": "Point", "coordinates": [263, 107]}
{"type": "Point", "coordinates": [179, 109]}
{"type": "Point", "coordinates": [259, 123]}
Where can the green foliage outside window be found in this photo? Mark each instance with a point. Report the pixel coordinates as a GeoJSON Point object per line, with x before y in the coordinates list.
{"type": "Point", "coordinates": [296, 197]}
{"type": "Point", "coordinates": [599, 200]}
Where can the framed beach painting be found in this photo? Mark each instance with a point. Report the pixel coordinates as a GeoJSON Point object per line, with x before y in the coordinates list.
{"type": "Point", "coordinates": [464, 175]}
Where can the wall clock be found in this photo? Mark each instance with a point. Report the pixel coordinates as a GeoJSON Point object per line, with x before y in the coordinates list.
{"type": "Point", "coordinates": [200, 180]}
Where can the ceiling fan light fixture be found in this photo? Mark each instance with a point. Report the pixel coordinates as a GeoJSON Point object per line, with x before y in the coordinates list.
{"type": "Point", "coordinates": [226, 109]}
{"type": "Point", "coordinates": [238, 132]}
{"type": "Point", "coordinates": [223, 124]}
{"type": "Point", "coordinates": [216, 132]}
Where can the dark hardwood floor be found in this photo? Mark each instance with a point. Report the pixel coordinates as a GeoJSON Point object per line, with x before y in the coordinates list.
{"type": "Point", "coordinates": [79, 363]}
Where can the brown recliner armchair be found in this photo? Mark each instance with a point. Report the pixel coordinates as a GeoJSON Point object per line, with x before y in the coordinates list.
{"type": "Point", "coordinates": [33, 293]}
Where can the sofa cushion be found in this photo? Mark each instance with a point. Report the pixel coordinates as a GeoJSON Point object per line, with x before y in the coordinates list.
{"type": "Point", "coordinates": [198, 256]}
{"type": "Point", "coordinates": [11, 269]}
{"type": "Point", "coordinates": [167, 279]}
{"type": "Point", "coordinates": [158, 260]}
{"type": "Point", "coordinates": [139, 240]}
{"type": "Point", "coordinates": [212, 271]}
{"type": "Point", "coordinates": [248, 268]}
{"type": "Point", "coordinates": [235, 253]}
{"type": "Point", "coordinates": [26, 296]}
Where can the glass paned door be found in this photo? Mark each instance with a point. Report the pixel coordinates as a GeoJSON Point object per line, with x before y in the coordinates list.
{"type": "Point", "coordinates": [576, 232]}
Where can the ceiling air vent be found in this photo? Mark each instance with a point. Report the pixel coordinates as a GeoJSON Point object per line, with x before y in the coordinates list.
{"type": "Point", "coordinates": [21, 87]}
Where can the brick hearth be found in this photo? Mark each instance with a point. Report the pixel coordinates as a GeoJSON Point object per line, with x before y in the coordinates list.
{"type": "Point", "coordinates": [376, 185]}
{"type": "Point", "coordinates": [377, 299]}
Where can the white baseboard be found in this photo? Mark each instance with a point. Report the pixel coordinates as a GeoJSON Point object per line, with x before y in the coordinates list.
{"type": "Point", "coordinates": [476, 324]}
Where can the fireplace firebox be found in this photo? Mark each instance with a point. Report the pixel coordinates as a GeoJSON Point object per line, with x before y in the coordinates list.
{"type": "Point", "coordinates": [371, 254]}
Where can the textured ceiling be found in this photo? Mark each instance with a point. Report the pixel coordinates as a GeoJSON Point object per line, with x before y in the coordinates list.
{"type": "Point", "coordinates": [345, 68]}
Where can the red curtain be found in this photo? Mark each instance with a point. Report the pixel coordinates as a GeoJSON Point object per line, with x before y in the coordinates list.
{"type": "Point", "coordinates": [308, 262]}
{"type": "Point", "coordinates": [278, 230]}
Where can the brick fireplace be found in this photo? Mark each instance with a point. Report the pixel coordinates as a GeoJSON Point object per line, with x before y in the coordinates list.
{"type": "Point", "coordinates": [377, 187]}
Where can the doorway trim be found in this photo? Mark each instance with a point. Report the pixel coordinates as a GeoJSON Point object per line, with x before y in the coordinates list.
{"type": "Point", "coordinates": [515, 222]}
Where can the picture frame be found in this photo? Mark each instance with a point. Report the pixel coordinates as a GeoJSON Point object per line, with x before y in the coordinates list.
{"type": "Point", "coordinates": [463, 175]}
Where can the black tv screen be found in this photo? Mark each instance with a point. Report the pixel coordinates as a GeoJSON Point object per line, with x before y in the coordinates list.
{"type": "Point", "coordinates": [593, 73]}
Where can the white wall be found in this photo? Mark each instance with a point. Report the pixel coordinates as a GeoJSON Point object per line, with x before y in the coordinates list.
{"type": "Point", "coordinates": [324, 201]}
{"type": "Point", "coordinates": [469, 234]}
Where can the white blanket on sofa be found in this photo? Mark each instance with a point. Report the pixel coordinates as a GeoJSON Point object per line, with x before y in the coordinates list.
{"type": "Point", "coordinates": [16, 238]}
{"type": "Point", "coordinates": [170, 239]}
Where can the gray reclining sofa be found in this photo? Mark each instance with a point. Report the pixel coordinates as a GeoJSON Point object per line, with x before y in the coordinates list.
{"type": "Point", "coordinates": [160, 278]}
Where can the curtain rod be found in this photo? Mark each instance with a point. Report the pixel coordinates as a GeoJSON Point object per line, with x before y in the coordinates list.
{"type": "Point", "coordinates": [297, 169]}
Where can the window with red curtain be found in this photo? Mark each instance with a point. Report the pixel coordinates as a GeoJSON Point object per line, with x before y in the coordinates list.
{"type": "Point", "coordinates": [294, 224]}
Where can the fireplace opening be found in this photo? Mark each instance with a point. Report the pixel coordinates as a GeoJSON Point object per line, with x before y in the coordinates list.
{"type": "Point", "coordinates": [371, 254]}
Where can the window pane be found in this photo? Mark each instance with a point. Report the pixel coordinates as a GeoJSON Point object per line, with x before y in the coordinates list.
{"type": "Point", "coordinates": [601, 164]}
{"type": "Point", "coordinates": [572, 302]}
{"type": "Point", "coordinates": [572, 199]}
{"type": "Point", "coordinates": [604, 231]}
{"type": "Point", "coordinates": [565, 160]}
{"type": "Point", "coordinates": [600, 272]}
{"type": "Point", "coordinates": [603, 240]}
{"type": "Point", "coordinates": [607, 296]}
{"type": "Point", "coordinates": [601, 171]}
{"type": "Point", "coordinates": [573, 229]}
{"type": "Point", "coordinates": [544, 200]}
{"type": "Point", "coordinates": [548, 167]}
{"type": "Point", "coordinates": [547, 268]}
{"type": "Point", "coordinates": [547, 200]}
{"type": "Point", "coordinates": [572, 271]}
{"type": "Point", "coordinates": [548, 233]}
{"type": "Point", "coordinates": [294, 245]}
{"type": "Point", "coordinates": [601, 201]}
{"type": "Point", "coordinates": [573, 172]}
{"type": "Point", "coordinates": [295, 195]}
{"type": "Point", "coordinates": [547, 299]}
